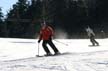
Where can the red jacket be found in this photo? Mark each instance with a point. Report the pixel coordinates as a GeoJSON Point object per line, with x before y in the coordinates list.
{"type": "Point", "coordinates": [46, 33]}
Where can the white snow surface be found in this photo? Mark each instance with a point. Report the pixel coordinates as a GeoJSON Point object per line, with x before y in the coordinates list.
{"type": "Point", "coordinates": [20, 55]}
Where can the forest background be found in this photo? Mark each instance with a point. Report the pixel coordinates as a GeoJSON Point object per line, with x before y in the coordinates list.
{"type": "Point", "coordinates": [68, 17]}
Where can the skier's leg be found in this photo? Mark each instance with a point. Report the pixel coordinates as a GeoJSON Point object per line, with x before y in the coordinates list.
{"type": "Point", "coordinates": [53, 47]}
{"type": "Point", "coordinates": [44, 44]}
{"type": "Point", "coordinates": [92, 41]}
{"type": "Point", "coordinates": [95, 42]}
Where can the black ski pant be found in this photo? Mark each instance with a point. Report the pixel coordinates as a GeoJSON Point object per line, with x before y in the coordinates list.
{"type": "Point", "coordinates": [44, 44]}
{"type": "Point", "coordinates": [93, 41]}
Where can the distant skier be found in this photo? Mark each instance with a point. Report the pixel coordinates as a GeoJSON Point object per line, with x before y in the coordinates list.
{"type": "Point", "coordinates": [91, 35]}
{"type": "Point", "coordinates": [46, 34]}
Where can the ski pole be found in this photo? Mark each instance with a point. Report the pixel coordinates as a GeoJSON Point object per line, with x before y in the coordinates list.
{"type": "Point", "coordinates": [38, 49]}
{"type": "Point", "coordinates": [61, 42]}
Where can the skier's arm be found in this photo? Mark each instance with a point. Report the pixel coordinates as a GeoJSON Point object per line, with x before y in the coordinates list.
{"type": "Point", "coordinates": [52, 32]}
{"type": "Point", "coordinates": [40, 37]}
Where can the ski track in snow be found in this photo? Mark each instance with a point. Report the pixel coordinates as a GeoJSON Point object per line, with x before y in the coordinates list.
{"type": "Point", "coordinates": [96, 60]}
{"type": "Point", "coordinates": [65, 63]}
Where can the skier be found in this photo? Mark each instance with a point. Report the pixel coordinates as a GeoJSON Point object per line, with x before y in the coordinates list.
{"type": "Point", "coordinates": [46, 34]}
{"type": "Point", "coordinates": [91, 35]}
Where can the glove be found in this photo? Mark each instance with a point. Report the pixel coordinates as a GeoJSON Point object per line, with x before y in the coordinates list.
{"type": "Point", "coordinates": [39, 41]}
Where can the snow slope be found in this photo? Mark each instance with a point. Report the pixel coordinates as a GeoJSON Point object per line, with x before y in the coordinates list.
{"type": "Point", "coordinates": [19, 55]}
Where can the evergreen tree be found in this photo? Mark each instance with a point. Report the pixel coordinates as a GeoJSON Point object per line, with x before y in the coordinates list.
{"type": "Point", "coordinates": [2, 25]}
{"type": "Point", "coordinates": [34, 13]}
{"type": "Point", "coordinates": [34, 10]}
{"type": "Point", "coordinates": [56, 12]}
{"type": "Point", "coordinates": [102, 14]}
{"type": "Point", "coordinates": [71, 16]}
{"type": "Point", "coordinates": [16, 27]}
{"type": "Point", "coordinates": [1, 15]}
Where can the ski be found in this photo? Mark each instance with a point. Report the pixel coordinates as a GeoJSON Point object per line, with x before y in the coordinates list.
{"type": "Point", "coordinates": [53, 55]}
{"type": "Point", "coordinates": [93, 45]}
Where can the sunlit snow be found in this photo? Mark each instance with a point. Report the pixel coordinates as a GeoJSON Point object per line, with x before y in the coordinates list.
{"type": "Point", "coordinates": [20, 55]}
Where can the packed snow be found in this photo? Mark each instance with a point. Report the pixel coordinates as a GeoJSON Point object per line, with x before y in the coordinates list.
{"type": "Point", "coordinates": [20, 55]}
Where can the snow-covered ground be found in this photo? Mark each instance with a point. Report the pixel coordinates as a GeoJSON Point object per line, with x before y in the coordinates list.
{"type": "Point", "coordinates": [19, 55]}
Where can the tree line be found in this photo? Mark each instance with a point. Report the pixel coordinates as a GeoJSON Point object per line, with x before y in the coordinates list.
{"type": "Point", "coordinates": [72, 16]}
